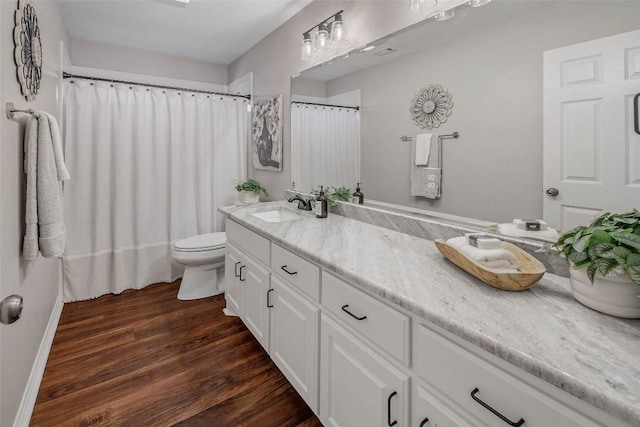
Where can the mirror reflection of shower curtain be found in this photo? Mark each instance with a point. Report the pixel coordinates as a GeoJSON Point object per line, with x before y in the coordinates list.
{"type": "Point", "coordinates": [326, 148]}
{"type": "Point", "coordinates": [148, 166]}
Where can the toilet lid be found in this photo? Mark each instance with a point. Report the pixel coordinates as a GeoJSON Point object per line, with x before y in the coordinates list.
{"type": "Point", "coordinates": [201, 242]}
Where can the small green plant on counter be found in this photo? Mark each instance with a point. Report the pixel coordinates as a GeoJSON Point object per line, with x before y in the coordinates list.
{"type": "Point", "coordinates": [251, 185]}
{"type": "Point", "coordinates": [334, 195]}
{"type": "Point", "coordinates": [609, 246]}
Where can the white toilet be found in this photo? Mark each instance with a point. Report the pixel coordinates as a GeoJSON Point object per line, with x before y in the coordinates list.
{"type": "Point", "coordinates": [203, 257]}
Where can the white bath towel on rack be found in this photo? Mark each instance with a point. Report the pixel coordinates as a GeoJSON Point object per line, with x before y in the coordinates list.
{"type": "Point", "coordinates": [423, 149]}
{"type": "Point", "coordinates": [44, 166]}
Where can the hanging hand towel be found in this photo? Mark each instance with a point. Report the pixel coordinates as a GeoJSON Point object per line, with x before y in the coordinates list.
{"type": "Point", "coordinates": [423, 149]}
{"type": "Point", "coordinates": [425, 182]}
{"type": "Point", "coordinates": [44, 166]}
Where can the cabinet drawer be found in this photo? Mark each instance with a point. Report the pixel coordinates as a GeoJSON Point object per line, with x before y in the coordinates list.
{"type": "Point", "coordinates": [297, 271]}
{"type": "Point", "coordinates": [458, 374]}
{"type": "Point", "coordinates": [383, 325]}
{"type": "Point", "coordinates": [248, 241]}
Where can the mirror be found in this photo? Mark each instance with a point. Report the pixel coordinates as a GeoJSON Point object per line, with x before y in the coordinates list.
{"type": "Point", "coordinates": [490, 60]}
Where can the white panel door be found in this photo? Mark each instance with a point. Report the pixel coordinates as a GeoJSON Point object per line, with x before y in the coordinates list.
{"type": "Point", "coordinates": [357, 386]}
{"type": "Point", "coordinates": [254, 287]}
{"type": "Point", "coordinates": [294, 339]}
{"type": "Point", "coordinates": [591, 149]}
{"type": "Point", "coordinates": [233, 266]}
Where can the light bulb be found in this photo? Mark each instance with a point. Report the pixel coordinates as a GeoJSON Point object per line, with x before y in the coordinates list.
{"type": "Point", "coordinates": [306, 50]}
{"type": "Point", "coordinates": [322, 38]}
{"type": "Point", "coordinates": [338, 33]}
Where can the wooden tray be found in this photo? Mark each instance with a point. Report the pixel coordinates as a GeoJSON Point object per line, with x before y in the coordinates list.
{"type": "Point", "coordinates": [531, 270]}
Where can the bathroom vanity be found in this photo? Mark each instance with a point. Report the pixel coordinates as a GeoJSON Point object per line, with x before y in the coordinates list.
{"type": "Point", "coordinates": [374, 327]}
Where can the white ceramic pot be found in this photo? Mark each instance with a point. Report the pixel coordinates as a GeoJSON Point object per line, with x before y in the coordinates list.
{"type": "Point", "coordinates": [617, 296]}
{"type": "Point", "coordinates": [247, 197]}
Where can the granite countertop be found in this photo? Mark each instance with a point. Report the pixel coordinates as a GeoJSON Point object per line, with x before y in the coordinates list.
{"type": "Point", "coordinates": [542, 330]}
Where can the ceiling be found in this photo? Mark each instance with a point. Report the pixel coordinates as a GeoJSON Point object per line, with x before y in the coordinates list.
{"type": "Point", "coordinates": [216, 31]}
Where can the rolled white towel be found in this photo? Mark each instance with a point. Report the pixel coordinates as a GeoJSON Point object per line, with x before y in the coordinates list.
{"type": "Point", "coordinates": [492, 258]}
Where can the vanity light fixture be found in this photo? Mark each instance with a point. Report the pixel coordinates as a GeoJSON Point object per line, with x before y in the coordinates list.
{"type": "Point", "coordinates": [330, 36]}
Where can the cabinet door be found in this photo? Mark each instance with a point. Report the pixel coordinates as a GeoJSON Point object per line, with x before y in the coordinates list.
{"type": "Point", "coordinates": [357, 386]}
{"type": "Point", "coordinates": [427, 410]}
{"type": "Point", "coordinates": [233, 265]}
{"type": "Point", "coordinates": [294, 340]}
{"type": "Point", "coordinates": [254, 288]}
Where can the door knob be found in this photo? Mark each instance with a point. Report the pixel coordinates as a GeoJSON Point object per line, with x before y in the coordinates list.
{"type": "Point", "coordinates": [553, 192]}
{"type": "Point", "coordinates": [10, 309]}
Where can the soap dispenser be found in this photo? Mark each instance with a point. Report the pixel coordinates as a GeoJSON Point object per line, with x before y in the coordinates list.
{"type": "Point", "coordinates": [358, 197]}
{"type": "Point", "coordinates": [321, 205]}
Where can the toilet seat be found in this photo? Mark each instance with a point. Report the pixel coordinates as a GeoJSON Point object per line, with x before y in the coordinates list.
{"type": "Point", "coordinates": [201, 243]}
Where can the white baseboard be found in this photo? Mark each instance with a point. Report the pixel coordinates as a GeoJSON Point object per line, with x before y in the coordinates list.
{"type": "Point", "coordinates": [37, 371]}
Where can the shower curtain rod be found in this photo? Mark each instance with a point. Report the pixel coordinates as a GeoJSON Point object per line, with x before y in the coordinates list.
{"type": "Point", "coordinates": [325, 105]}
{"type": "Point", "coordinates": [75, 76]}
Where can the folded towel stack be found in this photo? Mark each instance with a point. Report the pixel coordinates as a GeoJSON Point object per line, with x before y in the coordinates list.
{"type": "Point", "coordinates": [492, 258]}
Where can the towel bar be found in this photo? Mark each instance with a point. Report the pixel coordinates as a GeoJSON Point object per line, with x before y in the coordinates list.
{"type": "Point", "coordinates": [11, 110]}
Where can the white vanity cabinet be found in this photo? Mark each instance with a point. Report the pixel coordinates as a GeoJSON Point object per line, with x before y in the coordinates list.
{"type": "Point", "coordinates": [294, 339]}
{"type": "Point", "coordinates": [358, 387]}
{"type": "Point", "coordinates": [358, 359]}
{"type": "Point", "coordinates": [248, 279]}
{"type": "Point", "coordinates": [256, 288]}
{"type": "Point", "coordinates": [275, 293]}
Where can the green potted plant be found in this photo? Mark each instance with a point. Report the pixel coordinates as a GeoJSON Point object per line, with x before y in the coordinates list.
{"type": "Point", "coordinates": [605, 261]}
{"type": "Point", "coordinates": [334, 195]}
{"type": "Point", "coordinates": [250, 191]}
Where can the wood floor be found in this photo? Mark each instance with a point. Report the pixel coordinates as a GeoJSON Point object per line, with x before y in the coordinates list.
{"type": "Point", "coordinates": [144, 358]}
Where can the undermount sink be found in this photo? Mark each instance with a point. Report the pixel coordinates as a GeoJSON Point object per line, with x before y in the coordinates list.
{"type": "Point", "coordinates": [277, 215]}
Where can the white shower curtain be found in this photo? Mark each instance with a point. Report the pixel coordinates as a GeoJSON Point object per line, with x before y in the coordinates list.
{"type": "Point", "coordinates": [325, 146]}
{"type": "Point", "coordinates": [149, 166]}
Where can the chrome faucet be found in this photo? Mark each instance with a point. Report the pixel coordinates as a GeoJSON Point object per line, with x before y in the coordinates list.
{"type": "Point", "coordinates": [303, 204]}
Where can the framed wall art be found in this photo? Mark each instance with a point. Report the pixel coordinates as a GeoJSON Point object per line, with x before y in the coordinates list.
{"type": "Point", "coordinates": [266, 133]}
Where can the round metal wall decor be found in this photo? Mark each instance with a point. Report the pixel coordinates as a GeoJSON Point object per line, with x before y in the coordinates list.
{"type": "Point", "coordinates": [28, 51]}
{"type": "Point", "coordinates": [431, 106]}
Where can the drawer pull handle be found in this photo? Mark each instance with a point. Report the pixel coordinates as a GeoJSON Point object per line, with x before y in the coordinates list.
{"type": "Point", "coordinates": [344, 308]}
{"type": "Point", "coordinates": [240, 275]}
{"type": "Point", "coordinates": [269, 305]}
{"type": "Point", "coordinates": [284, 267]}
{"type": "Point", "coordinates": [235, 269]}
{"type": "Point", "coordinates": [494, 412]}
{"type": "Point", "coordinates": [636, 117]}
{"type": "Point", "coordinates": [426, 420]}
{"type": "Point", "coordinates": [389, 422]}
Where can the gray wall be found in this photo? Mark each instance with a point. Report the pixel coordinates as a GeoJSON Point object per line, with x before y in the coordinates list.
{"type": "Point", "coordinates": [277, 57]}
{"type": "Point", "coordinates": [36, 281]}
{"type": "Point", "coordinates": [95, 55]}
{"type": "Point", "coordinates": [494, 171]}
